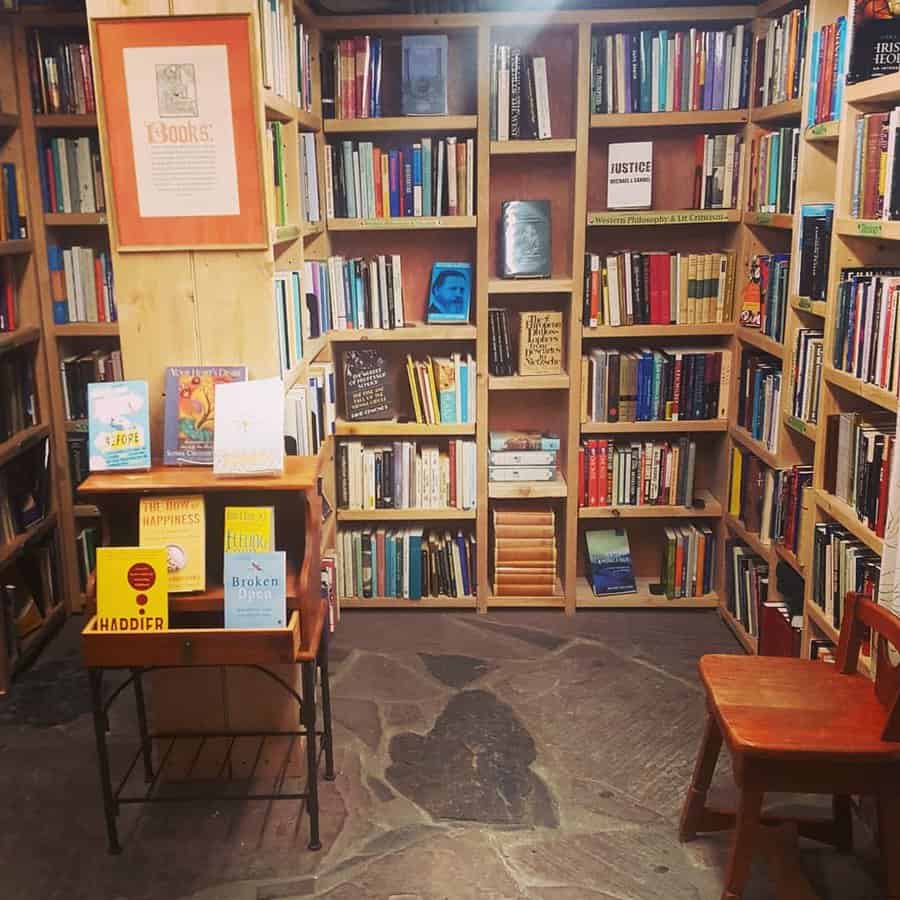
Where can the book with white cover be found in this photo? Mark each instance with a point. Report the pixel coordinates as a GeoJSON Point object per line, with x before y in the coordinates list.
{"type": "Point", "coordinates": [630, 175]}
{"type": "Point", "coordinates": [249, 430]}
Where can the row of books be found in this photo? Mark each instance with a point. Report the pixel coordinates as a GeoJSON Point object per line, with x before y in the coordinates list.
{"type": "Point", "coordinates": [17, 401]}
{"type": "Point", "coordinates": [501, 360]}
{"type": "Point", "coordinates": [661, 384]}
{"type": "Point", "coordinates": [747, 584]}
{"type": "Point", "coordinates": [25, 491]}
{"type": "Point", "coordinates": [13, 218]}
{"type": "Point", "coordinates": [351, 77]}
{"type": "Point", "coordinates": [841, 564]}
{"type": "Point", "coordinates": [28, 594]}
{"type": "Point", "coordinates": [875, 176]}
{"type": "Point", "coordinates": [814, 250]}
{"type": "Point", "coordinates": [287, 294]}
{"type": "Point", "coordinates": [430, 177]}
{"type": "Point", "coordinates": [689, 561]}
{"type": "Point", "coordinates": [658, 288]}
{"type": "Point", "coordinates": [303, 52]}
{"type": "Point", "coordinates": [78, 371]}
{"type": "Point", "coordinates": [60, 73]}
{"type": "Point", "coordinates": [81, 284]}
{"type": "Point", "coordinates": [780, 58]}
{"type": "Point", "coordinates": [539, 462]}
{"type": "Point", "coordinates": [310, 407]}
{"type": "Point", "coordinates": [865, 336]}
{"type": "Point", "coordinates": [773, 171]}
{"type": "Point", "coordinates": [71, 176]}
{"type": "Point", "coordinates": [670, 71]}
{"type": "Point", "coordinates": [443, 389]}
{"type": "Point", "coordinates": [525, 554]}
{"type": "Point", "coordinates": [828, 69]}
{"type": "Point", "coordinates": [807, 365]}
{"type": "Point", "coordinates": [358, 292]}
{"type": "Point", "coordinates": [408, 563]}
{"type": "Point", "coordinates": [405, 475]}
{"type": "Point", "coordinates": [635, 473]}
{"type": "Point", "coordinates": [277, 153]}
{"type": "Point", "coordinates": [520, 95]}
{"type": "Point", "coordinates": [858, 464]}
{"type": "Point", "coordinates": [309, 178]}
{"type": "Point", "coordinates": [538, 348]}
{"type": "Point", "coordinates": [765, 299]}
{"type": "Point", "coordinates": [718, 163]}
{"type": "Point", "coordinates": [275, 20]}
{"type": "Point", "coordinates": [759, 398]}
{"type": "Point", "coordinates": [9, 292]}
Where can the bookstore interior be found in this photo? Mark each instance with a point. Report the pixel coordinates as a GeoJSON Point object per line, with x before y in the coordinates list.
{"type": "Point", "coordinates": [488, 313]}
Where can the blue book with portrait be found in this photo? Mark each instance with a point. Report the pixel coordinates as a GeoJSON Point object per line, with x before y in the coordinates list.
{"type": "Point", "coordinates": [450, 292]}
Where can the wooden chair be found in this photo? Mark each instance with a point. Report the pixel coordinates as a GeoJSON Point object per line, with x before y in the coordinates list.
{"type": "Point", "coordinates": [794, 725]}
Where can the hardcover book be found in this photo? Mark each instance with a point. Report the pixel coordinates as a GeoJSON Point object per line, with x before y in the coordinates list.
{"type": "Point", "coordinates": [523, 440]}
{"type": "Point", "coordinates": [177, 523]}
{"type": "Point", "coordinates": [629, 182]}
{"type": "Point", "coordinates": [424, 74]}
{"type": "Point", "coordinates": [118, 425]}
{"type": "Point", "coordinates": [521, 473]}
{"type": "Point", "coordinates": [255, 595]}
{"type": "Point", "coordinates": [249, 529]}
{"type": "Point", "coordinates": [249, 429]}
{"type": "Point", "coordinates": [190, 411]}
{"type": "Point", "coordinates": [875, 40]}
{"type": "Point", "coordinates": [540, 342]}
{"type": "Point", "coordinates": [132, 589]}
{"type": "Point", "coordinates": [367, 390]}
{"type": "Point", "coordinates": [609, 562]}
{"type": "Point", "coordinates": [524, 240]}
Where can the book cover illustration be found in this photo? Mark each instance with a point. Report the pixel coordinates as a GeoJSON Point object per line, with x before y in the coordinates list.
{"type": "Point", "coordinates": [450, 293]}
{"type": "Point", "coordinates": [118, 425]}
{"type": "Point", "coordinates": [751, 298]}
{"type": "Point", "coordinates": [875, 44]}
{"type": "Point", "coordinates": [249, 428]}
{"type": "Point", "coordinates": [255, 594]}
{"type": "Point", "coordinates": [629, 181]}
{"type": "Point", "coordinates": [424, 74]}
{"type": "Point", "coordinates": [609, 561]}
{"type": "Point", "coordinates": [177, 523]}
{"type": "Point", "coordinates": [367, 390]}
{"type": "Point", "coordinates": [524, 239]}
{"type": "Point", "coordinates": [540, 342]}
{"type": "Point", "coordinates": [249, 529]}
{"type": "Point", "coordinates": [190, 411]}
{"type": "Point", "coordinates": [132, 589]}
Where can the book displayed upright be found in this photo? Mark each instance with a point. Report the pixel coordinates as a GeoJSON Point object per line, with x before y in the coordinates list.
{"type": "Point", "coordinates": [177, 522]}
{"type": "Point", "coordinates": [118, 425]}
{"type": "Point", "coordinates": [132, 589]}
{"type": "Point", "coordinates": [424, 74]}
{"type": "Point", "coordinates": [255, 590]}
{"type": "Point", "coordinates": [524, 239]}
{"type": "Point", "coordinates": [249, 430]}
{"type": "Point", "coordinates": [629, 183]}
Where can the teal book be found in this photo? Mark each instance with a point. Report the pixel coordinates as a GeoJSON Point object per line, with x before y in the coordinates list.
{"type": "Point", "coordinates": [255, 590]}
{"type": "Point", "coordinates": [609, 562]}
{"type": "Point", "coordinates": [774, 158]}
{"type": "Point", "coordinates": [118, 426]}
{"type": "Point", "coordinates": [646, 71]}
{"type": "Point", "coordinates": [415, 564]}
{"type": "Point", "coordinates": [463, 392]}
{"type": "Point", "coordinates": [663, 69]}
{"type": "Point", "coordinates": [426, 176]}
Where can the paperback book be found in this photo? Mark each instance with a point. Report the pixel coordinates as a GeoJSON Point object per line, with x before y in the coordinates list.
{"type": "Point", "coordinates": [249, 529]}
{"type": "Point", "coordinates": [177, 523]}
{"type": "Point", "coordinates": [255, 590]}
{"type": "Point", "coordinates": [609, 562]}
{"type": "Point", "coordinates": [629, 183]}
{"type": "Point", "coordinates": [249, 429]}
{"type": "Point", "coordinates": [118, 425]}
{"type": "Point", "coordinates": [132, 589]}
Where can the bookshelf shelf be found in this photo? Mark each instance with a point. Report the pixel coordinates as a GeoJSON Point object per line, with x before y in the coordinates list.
{"type": "Point", "coordinates": [712, 509]}
{"type": "Point", "coordinates": [706, 329]}
{"type": "Point", "coordinates": [75, 220]}
{"type": "Point", "coordinates": [557, 600]}
{"type": "Point", "coordinates": [11, 549]}
{"type": "Point", "coordinates": [771, 8]}
{"type": "Point", "coordinates": [810, 307]}
{"type": "Point", "coordinates": [878, 229]}
{"type": "Point", "coordinates": [75, 426]}
{"type": "Point", "coordinates": [755, 338]}
{"type": "Point", "coordinates": [26, 334]}
{"type": "Point", "coordinates": [698, 118]}
{"type": "Point", "coordinates": [307, 121]}
{"type": "Point", "coordinates": [789, 557]}
{"type": "Point", "coordinates": [528, 382]}
{"type": "Point", "coordinates": [530, 286]}
{"type": "Point", "coordinates": [30, 646]}
{"type": "Point", "coordinates": [875, 91]}
{"type": "Point", "coordinates": [418, 124]}
{"type": "Point", "coordinates": [842, 513]}
{"type": "Point", "coordinates": [640, 599]}
{"type": "Point", "coordinates": [851, 384]}
{"type": "Point", "coordinates": [403, 515]}
{"type": "Point", "coordinates": [783, 221]}
{"type": "Point", "coordinates": [652, 217]}
{"type": "Point", "coordinates": [531, 148]}
{"type": "Point", "coordinates": [15, 248]}
{"type": "Point", "coordinates": [776, 112]}
{"type": "Point", "coordinates": [652, 427]}
{"type": "Point", "coordinates": [823, 132]}
{"type": "Point", "coordinates": [823, 625]}
{"type": "Point", "coordinates": [747, 641]}
{"type": "Point", "coordinates": [8, 122]}
{"type": "Point", "coordinates": [83, 121]}
{"type": "Point", "coordinates": [310, 230]}
{"type": "Point", "coordinates": [87, 329]}
{"type": "Point", "coordinates": [418, 331]}
{"type": "Point", "coordinates": [807, 429]}
{"type": "Point", "coordinates": [744, 438]}
{"type": "Point", "coordinates": [277, 108]}
{"type": "Point", "coordinates": [13, 446]}
{"type": "Point", "coordinates": [405, 603]}
{"type": "Point", "coordinates": [750, 538]}
{"type": "Point", "coordinates": [284, 234]}
{"type": "Point", "coordinates": [311, 349]}
{"type": "Point", "coordinates": [86, 511]}
{"type": "Point", "coordinates": [525, 490]}
{"type": "Point", "coordinates": [411, 223]}
{"type": "Point", "coordinates": [344, 428]}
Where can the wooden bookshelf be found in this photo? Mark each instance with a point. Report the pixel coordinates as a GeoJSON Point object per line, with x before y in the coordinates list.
{"type": "Point", "coordinates": [748, 442]}
{"type": "Point", "coordinates": [776, 113]}
{"type": "Point", "coordinates": [824, 132]}
{"type": "Point", "coordinates": [15, 248]}
{"type": "Point", "coordinates": [415, 124]}
{"type": "Point", "coordinates": [753, 337]}
{"type": "Point", "coordinates": [809, 430]}
{"type": "Point", "coordinates": [853, 385]}
{"type": "Point", "coordinates": [643, 598]}
{"type": "Point", "coordinates": [783, 221]}
{"type": "Point", "coordinates": [411, 223]}
{"type": "Point", "coordinates": [698, 118]}
{"type": "Point", "coordinates": [529, 285]}
{"type": "Point", "coordinates": [63, 121]}
{"type": "Point", "coordinates": [405, 515]}
{"type": "Point", "coordinates": [810, 307]}
{"type": "Point", "coordinates": [413, 333]}
{"type": "Point", "coordinates": [666, 218]}
{"type": "Point", "coordinates": [867, 229]}
{"type": "Point", "coordinates": [532, 148]}
{"type": "Point", "coordinates": [527, 490]}
{"type": "Point", "coordinates": [13, 446]}
{"type": "Point", "coordinates": [87, 329]}
{"type": "Point", "coordinates": [74, 220]}
{"type": "Point", "coordinates": [344, 428]}
{"type": "Point", "coordinates": [529, 382]}
{"type": "Point", "coordinates": [655, 427]}
{"type": "Point", "coordinates": [747, 641]}
{"type": "Point", "coordinates": [704, 329]}
{"type": "Point", "coordinates": [21, 337]}
{"type": "Point", "coordinates": [711, 509]}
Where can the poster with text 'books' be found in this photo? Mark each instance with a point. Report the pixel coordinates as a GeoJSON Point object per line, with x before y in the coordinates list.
{"type": "Point", "coordinates": [190, 411]}
{"type": "Point", "coordinates": [118, 426]}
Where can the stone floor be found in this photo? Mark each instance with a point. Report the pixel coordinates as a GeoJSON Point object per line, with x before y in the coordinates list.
{"type": "Point", "coordinates": [516, 756]}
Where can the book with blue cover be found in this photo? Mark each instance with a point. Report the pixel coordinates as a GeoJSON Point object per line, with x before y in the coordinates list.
{"type": "Point", "coordinates": [255, 590]}
{"type": "Point", "coordinates": [424, 74]}
{"type": "Point", "coordinates": [609, 562]}
{"type": "Point", "coordinates": [118, 426]}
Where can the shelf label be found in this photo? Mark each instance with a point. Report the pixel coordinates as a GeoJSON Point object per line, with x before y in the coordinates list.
{"type": "Point", "coordinates": [403, 222]}
{"type": "Point", "coordinates": [868, 229]}
{"type": "Point", "coordinates": [804, 303]}
{"type": "Point", "coordinates": [819, 129]}
{"type": "Point", "coordinates": [677, 217]}
{"type": "Point", "coordinates": [797, 424]}
{"type": "Point", "coordinates": [763, 218]}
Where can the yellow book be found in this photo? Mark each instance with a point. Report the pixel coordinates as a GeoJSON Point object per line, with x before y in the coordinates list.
{"type": "Point", "coordinates": [385, 187]}
{"type": "Point", "coordinates": [132, 589]}
{"type": "Point", "coordinates": [249, 529]}
{"type": "Point", "coordinates": [177, 523]}
{"type": "Point", "coordinates": [432, 389]}
{"type": "Point", "coordinates": [411, 374]}
{"type": "Point", "coordinates": [737, 466]}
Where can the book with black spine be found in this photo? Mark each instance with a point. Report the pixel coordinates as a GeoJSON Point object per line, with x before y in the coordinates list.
{"type": "Point", "coordinates": [515, 93]}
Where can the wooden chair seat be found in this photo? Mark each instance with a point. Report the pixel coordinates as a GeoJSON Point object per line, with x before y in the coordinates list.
{"type": "Point", "coordinates": [795, 708]}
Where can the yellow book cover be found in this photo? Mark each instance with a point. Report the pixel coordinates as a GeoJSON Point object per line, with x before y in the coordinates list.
{"type": "Point", "coordinates": [132, 589]}
{"type": "Point", "coordinates": [737, 465]}
{"type": "Point", "coordinates": [177, 523]}
{"type": "Point", "coordinates": [413, 390]}
{"type": "Point", "coordinates": [249, 529]}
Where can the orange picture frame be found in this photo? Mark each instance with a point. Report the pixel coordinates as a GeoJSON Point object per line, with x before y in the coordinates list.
{"type": "Point", "coordinates": [135, 231]}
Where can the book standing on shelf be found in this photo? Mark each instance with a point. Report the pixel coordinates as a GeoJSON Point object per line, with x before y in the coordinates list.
{"type": "Point", "coordinates": [81, 284]}
{"type": "Point", "coordinates": [520, 95]}
{"type": "Point", "coordinates": [17, 395]}
{"type": "Point", "coordinates": [873, 41]}
{"type": "Point", "coordinates": [764, 300]}
{"type": "Point", "coordinates": [759, 398]}
{"type": "Point", "coordinates": [780, 58]}
{"type": "Point", "coordinates": [718, 163]}
{"type": "Point", "coordinates": [79, 370]}
{"type": "Point", "coordinates": [275, 45]}
{"type": "Point", "coordinates": [248, 438]}
{"type": "Point", "coordinates": [828, 70]}
{"type": "Point", "coordinates": [442, 389]}
{"type": "Point", "coordinates": [13, 218]}
{"type": "Point", "coordinates": [118, 416]}
{"type": "Point", "coordinates": [523, 456]}
{"type": "Point", "coordinates": [277, 151]}
{"type": "Point", "coordinates": [501, 360]}
{"type": "Point", "coordinates": [367, 388]}
{"type": "Point", "coordinates": [747, 577]}
{"type": "Point", "coordinates": [773, 171]}
{"type": "Point", "coordinates": [9, 307]}
{"type": "Point", "coordinates": [177, 523]}
{"type": "Point", "coordinates": [304, 74]}
{"type": "Point", "coordinates": [287, 294]}
{"type": "Point", "coordinates": [309, 178]}
{"type": "Point", "coordinates": [352, 78]}
{"type": "Point", "coordinates": [841, 563]}
{"type": "Point", "coordinates": [814, 250]}
{"type": "Point", "coordinates": [540, 342]}
{"type": "Point", "coordinates": [62, 80]}
{"type": "Point", "coordinates": [609, 565]}
{"type": "Point", "coordinates": [423, 79]}
{"type": "Point", "coordinates": [629, 175]}
{"type": "Point", "coordinates": [875, 177]}
{"type": "Point", "coordinates": [255, 590]}
{"type": "Point", "coordinates": [25, 491]}
{"type": "Point", "coordinates": [71, 177]}
{"type": "Point", "coordinates": [807, 364]}
{"type": "Point", "coordinates": [688, 564]}
{"type": "Point", "coordinates": [310, 411]}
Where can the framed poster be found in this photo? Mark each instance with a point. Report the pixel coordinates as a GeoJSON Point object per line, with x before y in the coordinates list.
{"type": "Point", "coordinates": [181, 131]}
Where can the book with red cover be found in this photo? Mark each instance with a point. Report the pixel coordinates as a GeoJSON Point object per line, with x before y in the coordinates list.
{"type": "Point", "coordinates": [872, 163]}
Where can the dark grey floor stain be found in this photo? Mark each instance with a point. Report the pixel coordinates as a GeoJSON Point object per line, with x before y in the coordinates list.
{"type": "Point", "coordinates": [55, 693]}
{"type": "Point", "coordinates": [543, 639]}
{"type": "Point", "coordinates": [473, 765]}
{"type": "Point", "coordinates": [454, 670]}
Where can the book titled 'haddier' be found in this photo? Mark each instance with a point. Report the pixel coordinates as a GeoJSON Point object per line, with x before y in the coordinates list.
{"type": "Point", "coordinates": [255, 590]}
{"type": "Point", "coordinates": [629, 183]}
{"type": "Point", "coordinates": [249, 433]}
{"type": "Point", "coordinates": [178, 524]}
{"type": "Point", "coordinates": [132, 589]}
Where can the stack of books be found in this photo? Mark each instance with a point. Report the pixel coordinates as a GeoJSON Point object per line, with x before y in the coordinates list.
{"type": "Point", "coordinates": [523, 456]}
{"type": "Point", "coordinates": [660, 384]}
{"type": "Point", "coordinates": [865, 334]}
{"type": "Point", "coordinates": [81, 284]}
{"type": "Point", "coordinates": [429, 177]}
{"type": "Point", "coordinates": [525, 555]}
{"type": "Point", "coordinates": [351, 78]}
{"type": "Point", "coordinates": [718, 163]}
{"type": "Point", "coordinates": [764, 301]}
{"type": "Point", "coordinates": [688, 565]}
{"type": "Point", "coordinates": [807, 362]}
{"type": "Point", "coordinates": [747, 579]}
{"type": "Point", "coordinates": [17, 400]}
{"type": "Point", "coordinates": [500, 354]}
{"type": "Point", "coordinates": [670, 71]}
{"type": "Point", "coordinates": [759, 398]}
{"type": "Point", "coordinates": [310, 410]}
{"type": "Point", "coordinates": [275, 19]}
{"type": "Point", "coordinates": [405, 562]}
{"type": "Point", "coordinates": [9, 307]}
{"type": "Point", "coordinates": [773, 171]}
{"type": "Point", "coordinates": [664, 287]}
{"type": "Point", "coordinates": [652, 473]}
{"type": "Point", "coordinates": [60, 72]}
{"type": "Point", "coordinates": [875, 177]}
{"type": "Point", "coordinates": [443, 389]}
{"type": "Point", "coordinates": [78, 371]}
{"type": "Point", "coordinates": [71, 177]}
{"type": "Point", "coordinates": [303, 50]}
{"type": "Point", "coordinates": [13, 219]}
{"type": "Point", "coordinates": [309, 178]}
{"type": "Point", "coordinates": [288, 296]}
{"type": "Point", "coordinates": [841, 564]}
{"type": "Point", "coordinates": [609, 568]}
{"type": "Point", "coordinates": [520, 96]}
{"type": "Point", "coordinates": [780, 57]}
{"type": "Point", "coordinates": [828, 70]}
{"type": "Point", "coordinates": [403, 475]}
{"type": "Point", "coordinates": [278, 181]}
{"type": "Point", "coordinates": [814, 249]}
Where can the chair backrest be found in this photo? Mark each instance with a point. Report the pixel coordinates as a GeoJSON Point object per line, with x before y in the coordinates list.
{"type": "Point", "coordinates": [859, 613]}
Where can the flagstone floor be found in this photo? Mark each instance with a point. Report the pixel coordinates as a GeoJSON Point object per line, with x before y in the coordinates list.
{"type": "Point", "coordinates": [516, 756]}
